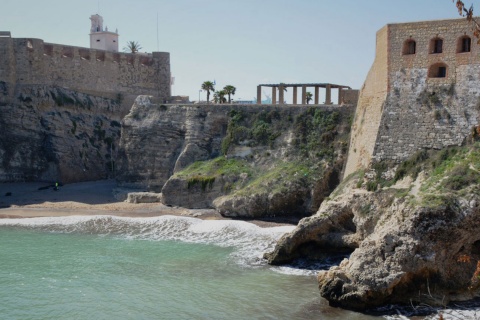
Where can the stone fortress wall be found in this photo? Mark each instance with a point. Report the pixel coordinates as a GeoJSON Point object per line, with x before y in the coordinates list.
{"type": "Point", "coordinates": [97, 72]}
{"type": "Point", "coordinates": [422, 92]}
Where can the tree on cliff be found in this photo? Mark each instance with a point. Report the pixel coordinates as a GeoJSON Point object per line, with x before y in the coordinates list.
{"type": "Point", "coordinates": [219, 96]}
{"type": "Point", "coordinates": [132, 47]}
{"type": "Point", "coordinates": [308, 97]}
{"type": "Point", "coordinates": [208, 86]}
{"type": "Point", "coordinates": [229, 90]}
{"type": "Point", "coordinates": [468, 13]}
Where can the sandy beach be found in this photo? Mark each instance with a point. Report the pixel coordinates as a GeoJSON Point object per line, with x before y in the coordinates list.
{"type": "Point", "coordinates": [34, 199]}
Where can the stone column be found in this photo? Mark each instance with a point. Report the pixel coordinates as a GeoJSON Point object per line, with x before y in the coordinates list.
{"type": "Point", "coordinates": [304, 94]}
{"type": "Point", "coordinates": [340, 95]}
{"type": "Point", "coordinates": [274, 95]}
{"type": "Point", "coordinates": [294, 95]}
{"type": "Point", "coordinates": [316, 94]}
{"type": "Point", "coordinates": [280, 94]}
{"type": "Point", "coordinates": [328, 95]}
{"type": "Point", "coordinates": [259, 94]}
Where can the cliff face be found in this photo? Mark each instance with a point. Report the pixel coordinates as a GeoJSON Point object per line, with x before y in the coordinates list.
{"type": "Point", "coordinates": [55, 134]}
{"type": "Point", "coordinates": [245, 161]}
{"type": "Point", "coordinates": [412, 230]}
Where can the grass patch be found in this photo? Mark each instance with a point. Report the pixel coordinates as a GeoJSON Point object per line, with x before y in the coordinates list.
{"type": "Point", "coordinates": [365, 209]}
{"type": "Point", "coordinates": [205, 182]}
{"type": "Point", "coordinates": [216, 167]}
{"type": "Point", "coordinates": [411, 166]}
{"type": "Point", "coordinates": [460, 177]}
{"type": "Point", "coordinates": [276, 179]}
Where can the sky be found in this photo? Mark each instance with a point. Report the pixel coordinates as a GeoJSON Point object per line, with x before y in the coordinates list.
{"type": "Point", "coordinates": [233, 42]}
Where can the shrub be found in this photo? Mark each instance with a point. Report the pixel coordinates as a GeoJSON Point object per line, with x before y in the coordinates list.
{"type": "Point", "coordinates": [372, 185]}
{"type": "Point", "coordinates": [204, 182]}
{"type": "Point", "coordinates": [461, 177]}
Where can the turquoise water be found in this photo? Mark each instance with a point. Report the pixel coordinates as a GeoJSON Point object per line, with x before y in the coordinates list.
{"type": "Point", "coordinates": [154, 268]}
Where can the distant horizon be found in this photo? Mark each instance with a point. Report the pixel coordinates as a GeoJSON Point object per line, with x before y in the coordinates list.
{"type": "Point", "coordinates": [234, 43]}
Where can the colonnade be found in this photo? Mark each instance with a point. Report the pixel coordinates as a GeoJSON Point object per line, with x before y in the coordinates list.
{"type": "Point", "coordinates": [282, 86]}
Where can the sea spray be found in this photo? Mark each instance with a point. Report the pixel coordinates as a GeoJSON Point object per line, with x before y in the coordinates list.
{"type": "Point", "coordinates": [248, 240]}
{"type": "Point", "coordinates": [163, 268]}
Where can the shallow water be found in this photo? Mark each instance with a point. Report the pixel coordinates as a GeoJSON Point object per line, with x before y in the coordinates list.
{"type": "Point", "coordinates": [153, 268]}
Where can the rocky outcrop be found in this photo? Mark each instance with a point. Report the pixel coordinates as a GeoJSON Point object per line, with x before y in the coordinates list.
{"type": "Point", "coordinates": [158, 140]}
{"type": "Point", "coordinates": [243, 160]}
{"type": "Point", "coordinates": [143, 197]}
{"type": "Point", "coordinates": [55, 134]}
{"type": "Point", "coordinates": [413, 242]}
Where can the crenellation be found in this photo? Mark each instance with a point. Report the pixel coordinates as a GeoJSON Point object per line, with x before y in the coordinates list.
{"type": "Point", "coordinates": [93, 71]}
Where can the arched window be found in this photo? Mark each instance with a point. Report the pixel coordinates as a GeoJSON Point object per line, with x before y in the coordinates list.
{"type": "Point", "coordinates": [436, 45]}
{"type": "Point", "coordinates": [438, 70]}
{"type": "Point", "coordinates": [464, 44]}
{"type": "Point", "coordinates": [409, 47]}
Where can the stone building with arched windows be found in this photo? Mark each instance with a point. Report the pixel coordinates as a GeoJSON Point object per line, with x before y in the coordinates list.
{"type": "Point", "coordinates": [422, 92]}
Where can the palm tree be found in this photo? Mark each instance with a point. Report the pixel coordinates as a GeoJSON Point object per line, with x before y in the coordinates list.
{"type": "Point", "coordinates": [229, 90]}
{"type": "Point", "coordinates": [308, 97]}
{"type": "Point", "coordinates": [208, 86]}
{"type": "Point", "coordinates": [219, 96]}
{"type": "Point", "coordinates": [132, 47]}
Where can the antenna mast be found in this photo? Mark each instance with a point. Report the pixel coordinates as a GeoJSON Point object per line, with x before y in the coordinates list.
{"type": "Point", "coordinates": [158, 49]}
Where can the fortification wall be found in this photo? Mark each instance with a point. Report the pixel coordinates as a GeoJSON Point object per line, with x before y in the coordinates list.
{"type": "Point", "coordinates": [7, 65]}
{"type": "Point", "coordinates": [423, 105]}
{"type": "Point", "coordinates": [97, 72]}
{"type": "Point", "coordinates": [424, 33]}
{"type": "Point", "coordinates": [424, 110]}
{"type": "Point", "coordinates": [369, 108]}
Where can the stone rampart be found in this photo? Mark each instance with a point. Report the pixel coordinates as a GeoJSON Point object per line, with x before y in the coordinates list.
{"type": "Point", "coordinates": [422, 92]}
{"type": "Point", "coordinates": [369, 108]}
{"type": "Point", "coordinates": [96, 72]}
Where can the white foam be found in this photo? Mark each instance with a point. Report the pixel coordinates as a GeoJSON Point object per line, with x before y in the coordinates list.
{"type": "Point", "coordinates": [249, 241]}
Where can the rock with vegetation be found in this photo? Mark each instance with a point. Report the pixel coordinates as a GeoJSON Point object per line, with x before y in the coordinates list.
{"type": "Point", "coordinates": [245, 161]}
{"type": "Point", "coordinates": [55, 134]}
{"type": "Point", "coordinates": [412, 230]}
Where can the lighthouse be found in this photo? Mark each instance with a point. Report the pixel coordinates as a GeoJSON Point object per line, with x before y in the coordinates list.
{"type": "Point", "coordinates": [102, 39]}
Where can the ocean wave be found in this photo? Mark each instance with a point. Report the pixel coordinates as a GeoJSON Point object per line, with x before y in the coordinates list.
{"type": "Point", "coordinates": [249, 241]}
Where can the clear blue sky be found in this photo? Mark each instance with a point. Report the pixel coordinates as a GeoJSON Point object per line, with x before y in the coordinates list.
{"type": "Point", "coordinates": [238, 42]}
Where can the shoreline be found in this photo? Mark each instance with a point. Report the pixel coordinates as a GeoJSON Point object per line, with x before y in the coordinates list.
{"type": "Point", "coordinates": [22, 200]}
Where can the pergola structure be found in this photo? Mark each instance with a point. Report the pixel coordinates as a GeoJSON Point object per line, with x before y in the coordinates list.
{"type": "Point", "coordinates": [282, 86]}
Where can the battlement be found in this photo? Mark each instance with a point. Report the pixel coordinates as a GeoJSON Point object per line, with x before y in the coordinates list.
{"type": "Point", "coordinates": [32, 61]}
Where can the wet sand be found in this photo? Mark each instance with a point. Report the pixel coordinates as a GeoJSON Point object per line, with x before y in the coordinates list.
{"type": "Point", "coordinates": [36, 199]}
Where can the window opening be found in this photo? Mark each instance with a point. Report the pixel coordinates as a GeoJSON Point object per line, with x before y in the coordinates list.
{"type": "Point", "coordinates": [438, 70]}
{"type": "Point", "coordinates": [410, 47]}
{"type": "Point", "coordinates": [437, 46]}
{"type": "Point", "coordinates": [466, 44]}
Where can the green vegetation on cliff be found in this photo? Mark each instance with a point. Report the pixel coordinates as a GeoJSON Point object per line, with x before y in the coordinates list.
{"type": "Point", "coordinates": [443, 176]}
{"type": "Point", "coordinates": [276, 159]}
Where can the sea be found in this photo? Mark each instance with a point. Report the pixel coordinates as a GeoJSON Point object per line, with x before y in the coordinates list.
{"type": "Point", "coordinates": [168, 267]}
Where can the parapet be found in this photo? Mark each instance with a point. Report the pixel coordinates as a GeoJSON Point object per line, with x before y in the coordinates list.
{"type": "Point", "coordinates": [93, 71]}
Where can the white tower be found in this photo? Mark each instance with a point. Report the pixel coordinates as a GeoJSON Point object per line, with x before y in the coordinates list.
{"type": "Point", "coordinates": [102, 39]}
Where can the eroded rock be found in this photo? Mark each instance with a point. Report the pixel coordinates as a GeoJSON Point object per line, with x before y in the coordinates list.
{"type": "Point", "coordinates": [403, 251]}
{"type": "Point", "coordinates": [144, 197]}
